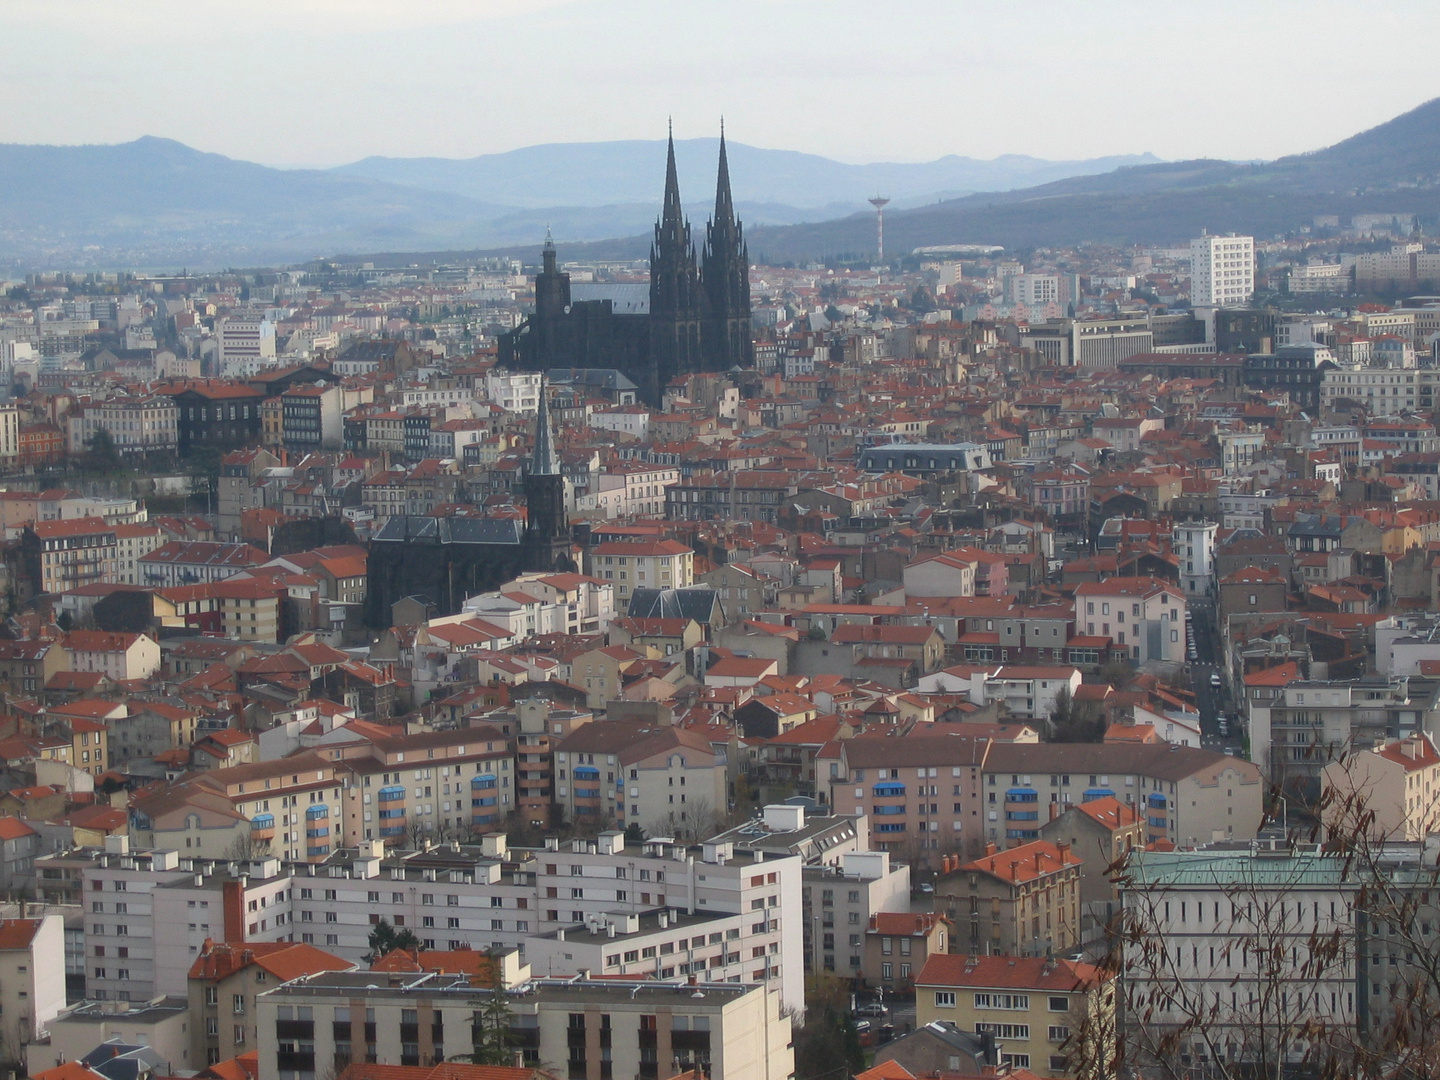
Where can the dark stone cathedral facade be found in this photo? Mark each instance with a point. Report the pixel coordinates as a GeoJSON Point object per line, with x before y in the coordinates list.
{"type": "Point", "coordinates": [697, 317]}
{"type": "Point", "coordinates": [443, 560]}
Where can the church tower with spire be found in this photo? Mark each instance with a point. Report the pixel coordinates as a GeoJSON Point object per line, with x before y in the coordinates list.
{"type": "Point", "coordinates": [547, 528]}
{"type": "Point", "coordinates": [725, 281]}
{"type": "Point", "coordinates": [675, 296]}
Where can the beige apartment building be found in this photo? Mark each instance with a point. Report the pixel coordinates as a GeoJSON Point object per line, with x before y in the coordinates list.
{"type": "Point", "coordinates": [1033, 1006]}
{"type": "Point", "coordinates": [1022, 901]}
{"type": "Point", "coordinates": [643, 564]}
{"type": "Point", "coordinates": [1398, 782]}
{"type": "Point", "coordinates": [669, 780]}
{"type": "Point", "coordinates": [224, 982]}
{"type": "Point", "coordinates": [64, 555]}
{"type": "Point", "coordinates": [593, 1029]}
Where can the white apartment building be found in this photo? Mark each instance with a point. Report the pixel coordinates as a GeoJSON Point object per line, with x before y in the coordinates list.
{"type": "Point", "coordinates": [1209, 908]}
{"type": "Point", "coordinates": [133, 542]}
{"type": "Point", "coordinates": [633, 420]}
{"type": "Point", "coordinates": [1222, 271]}
{"type": "Point", "coordinates": [1240, 449]}
{"type": "Point", "coordinates": [1143, 615]}
{"type": "Point", "coordinates": [245, 346]}
{"type": "Point", "coordinates": [1381, 391]}
{"type": "Point", "coordinates": [9, 432]}
{"type": "Point", "coordinates": [580, 883]}
{"type": "Point", "coordinates": [148, 913]}
{"type": "Point", "coordinates": [1194, 545]}
{"type": "Point", "coordinates": [1319, 277]}
{"type": "Point", "coordinates": [32, 978]}
{"type": "Point", "coordinates": [514, 391]}
{"type": "Point", "coordinates": [1032, 290]}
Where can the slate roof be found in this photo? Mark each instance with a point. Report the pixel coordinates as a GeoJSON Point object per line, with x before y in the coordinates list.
{"type": "Point", "coordinates": [698, 603]}
{"type": "Point", "coordinates": [450, 530]}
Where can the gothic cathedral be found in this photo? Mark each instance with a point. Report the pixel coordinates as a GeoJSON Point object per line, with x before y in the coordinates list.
{"type": "Point", "coordinates": [698, 317]}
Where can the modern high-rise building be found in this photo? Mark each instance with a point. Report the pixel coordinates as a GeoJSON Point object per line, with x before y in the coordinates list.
{"type": "Point", "coordinates": [1222, 271]}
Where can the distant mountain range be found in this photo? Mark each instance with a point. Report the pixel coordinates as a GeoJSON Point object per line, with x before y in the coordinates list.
{"type": "Point", "coordinates": [609, 173]}
{"type": "Point", "coordinates": [156, 202]}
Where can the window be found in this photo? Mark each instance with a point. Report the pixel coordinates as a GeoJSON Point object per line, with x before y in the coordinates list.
{"type": "Point", "coordinates": [1059, 1032]}
{"type": "Point", "coordinates": [1005, 1001]}
{"type": "Point", "coordinates": [944, 999]}
{"type": "Point", "coordinates": [1058, 1004]}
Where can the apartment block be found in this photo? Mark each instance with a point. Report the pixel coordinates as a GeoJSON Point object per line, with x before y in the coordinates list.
{"type": "Point", "coordinates": [1222, 271]}
{"type": "Point", "coordinates": [665, 778]}
{"type": "Point", "coordinates": [655, 564]}
{"type": "Point", "coordinates": [1143, 615]}
{"type": "Point", "coordinates": [581, 882]}
{"type": "Point", "coordinates": [1022, 901]}
{"type": "Point", "coordinates": [32, 978]}
{"type": "Point", "coordinates": [64, 555]}
{"type": "Point", "coordinates": [838, 902]}
{"type": "Point", "coordinates": [1393, 787]}
{"type": "Point", "coordinates": [1033, 1006]}
{"type": "Point", "coordinates": [592, 1029]}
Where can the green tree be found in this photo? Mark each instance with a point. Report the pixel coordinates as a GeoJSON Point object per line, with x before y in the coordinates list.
{"type": "Point", "coordinates": [634, 834]}
{"type": "Point", "coordinates": [385, 938]}
{"type": "Point", "coordinates": [1075, 721]}
{"type": "Point", "coordinates": [102, 453]}
{"type": "Point", "coordinates": [818, 1052]}
{"type": "Point", "coordinates": [490, 1026]}
{"type": "Point", "coordinates": [1117, 672]}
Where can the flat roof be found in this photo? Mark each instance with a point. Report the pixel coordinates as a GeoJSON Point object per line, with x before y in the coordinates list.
{"type": "Point", "coordinates": [649, 923]}
{"type": "Point", "coordinates": [346, 984]}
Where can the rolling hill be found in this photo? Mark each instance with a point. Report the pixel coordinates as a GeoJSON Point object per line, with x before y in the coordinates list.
{"type": "Point", "coordinates": [156, 202]}
{"type": "Point", "coordinates": [605, 173]}
{"type": "Point", "coordinates": [1391, 168]}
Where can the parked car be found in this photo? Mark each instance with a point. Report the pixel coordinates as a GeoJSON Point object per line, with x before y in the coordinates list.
{"type": "Point", "coordinates": [873, 1009]}
{"type": "Point", "coordinates": [1224, 728]}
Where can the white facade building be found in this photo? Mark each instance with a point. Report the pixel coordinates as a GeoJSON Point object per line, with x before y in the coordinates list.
{"type": "Point", "coordinates": [1194, 545]}
{"type": "Point", "coordinates": [245, 346]}
{"type": "Point", "coordinates": [514, 391]}
{"type": "Point", "coordinates": [1222, 271]}
{"type": "Point", "coordinates": [1033, 290]}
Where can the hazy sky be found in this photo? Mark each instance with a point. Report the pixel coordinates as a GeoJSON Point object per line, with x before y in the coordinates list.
{"type": "Point", "coordinates": [320, 82]}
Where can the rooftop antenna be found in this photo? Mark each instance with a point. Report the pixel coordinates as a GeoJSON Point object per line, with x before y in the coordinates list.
{"type": "Point", "coordinates": [879, 202]}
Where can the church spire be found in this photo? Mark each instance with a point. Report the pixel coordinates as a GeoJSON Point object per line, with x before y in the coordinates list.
{"type": "Point", "coordinates": [724, 205]}
{"type": "Point", "coordinates": [672, 216]}
{"type": "Point", "coordinates": [544, 460]}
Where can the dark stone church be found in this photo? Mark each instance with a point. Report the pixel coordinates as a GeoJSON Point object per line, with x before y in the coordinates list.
{"type": "Point", "coordinates": [446, 559]}
{"type": "Point", "coordinates": [692, 317]}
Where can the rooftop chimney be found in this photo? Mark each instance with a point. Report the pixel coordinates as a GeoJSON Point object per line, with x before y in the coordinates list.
{"type": "Point", "coordinates": [232, 898]}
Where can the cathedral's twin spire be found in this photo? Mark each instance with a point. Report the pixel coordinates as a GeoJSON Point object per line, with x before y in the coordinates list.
{"type": "Point", "coordinates": [544, 460]}
{"type": "Point", "coordinates": [672, 216]}
{"type": "Point", "coordinates": [724, 205]}
{"type": "Point", "coordinates": [672, 222]}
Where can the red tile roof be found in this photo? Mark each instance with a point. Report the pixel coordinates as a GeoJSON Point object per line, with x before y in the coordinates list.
{"type": "Point", "coordinates": [1008, 972]}
{"type": "Point", "coordinates": [1024, 863]}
